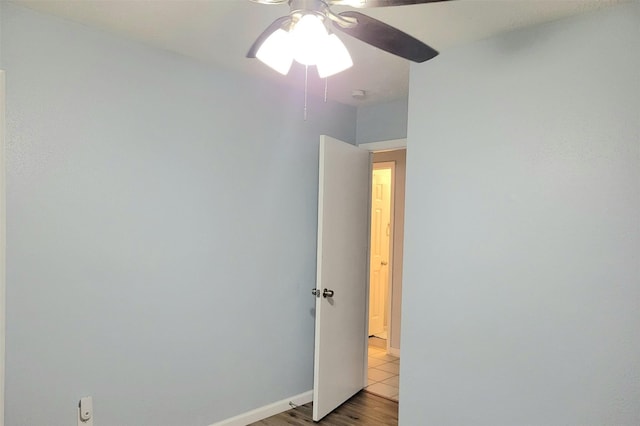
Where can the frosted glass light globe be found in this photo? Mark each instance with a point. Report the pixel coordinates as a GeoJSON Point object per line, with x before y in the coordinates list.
{"type": "Point", "coordinates": [277, 52]}
{"type": "Point", "coordinates": [334, 58]}
{"type": "Point", "coordinates": [309, 37]}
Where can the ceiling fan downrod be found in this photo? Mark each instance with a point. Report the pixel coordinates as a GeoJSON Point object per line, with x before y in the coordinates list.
{"type": "Point", "coordinates": [298, 8]}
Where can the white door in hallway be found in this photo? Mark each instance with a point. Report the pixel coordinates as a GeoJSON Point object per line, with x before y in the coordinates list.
{"type": "Point", "coordinates": [380, 239]}
{"type": "Point", "coordinates": [343, 234]}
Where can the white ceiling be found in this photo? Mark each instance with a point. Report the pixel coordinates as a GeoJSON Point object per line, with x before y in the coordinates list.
{"type": "Point", "coordinates": [219, 32]}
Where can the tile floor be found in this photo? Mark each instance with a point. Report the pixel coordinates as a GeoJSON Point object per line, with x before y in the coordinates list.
{"type": "Point", "coordinates": [383, 372]}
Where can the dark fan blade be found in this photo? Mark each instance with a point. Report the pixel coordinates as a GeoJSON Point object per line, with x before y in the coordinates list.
{"type": "Point", "coordinates": [379, 3]}
{"type": "Point", "coordinates": [387, 38]}
{"type": "Point", "coordinates": [278, 23]}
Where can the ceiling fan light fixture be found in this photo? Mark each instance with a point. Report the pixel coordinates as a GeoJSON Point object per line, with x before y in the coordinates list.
{"type": "Point", "coordinates": [308, 42]}
{"type": "Point", "coordinates": [335, 57]}
{"type": "Point", "coordinates": [277, 51]}
{"type": "Point", "coordinates": [309, 36]}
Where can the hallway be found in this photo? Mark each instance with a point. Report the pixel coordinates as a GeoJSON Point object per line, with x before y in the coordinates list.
{"type": "Point", "coordinates": [383, 370]}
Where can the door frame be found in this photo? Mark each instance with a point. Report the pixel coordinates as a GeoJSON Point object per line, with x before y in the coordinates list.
{"type": "Point", "coordinates": [381, 146]}
{"type": "Point", "coordinates": [388, 145]}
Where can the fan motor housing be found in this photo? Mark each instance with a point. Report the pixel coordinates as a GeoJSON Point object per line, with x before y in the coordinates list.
{"type": "Point", "coordinates": [302, 6]}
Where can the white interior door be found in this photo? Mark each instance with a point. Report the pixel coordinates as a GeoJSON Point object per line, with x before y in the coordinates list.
{"type": "Point", "coordinates": [379, 253]}
{"type": "Point", "coordinates": [343, 230]}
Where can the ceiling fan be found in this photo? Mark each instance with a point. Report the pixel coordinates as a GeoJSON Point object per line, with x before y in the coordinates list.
{"type": "Point", "coordinates": [304, 35]}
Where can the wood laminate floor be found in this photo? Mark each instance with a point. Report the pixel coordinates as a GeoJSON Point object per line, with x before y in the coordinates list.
{"type": "Point", "coordinates": [364, 408]}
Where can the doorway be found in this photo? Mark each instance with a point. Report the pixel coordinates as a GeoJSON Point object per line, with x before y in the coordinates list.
{"type": "Point", "coordinates": [385, 271]}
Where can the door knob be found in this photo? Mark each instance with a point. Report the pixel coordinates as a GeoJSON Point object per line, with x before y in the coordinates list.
{"type": "Point", "coordinates": [315, 292]}
{"type": "Point", "coordinates": [383, 263]}
{"type": "Point", "coordinates": [327, 293]}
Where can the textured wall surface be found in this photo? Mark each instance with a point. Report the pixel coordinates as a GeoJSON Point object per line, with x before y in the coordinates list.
{"type": "Point", "coordinates": [382, 122]}
{"type": "Point", "coordinates": [161, 231]}
{"type": "Point", "coordinates": [521, 295]}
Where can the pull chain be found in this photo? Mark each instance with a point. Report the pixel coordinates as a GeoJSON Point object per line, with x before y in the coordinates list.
{"type": "Point", "coordinates": [326, 85]}
{"type": "Point", "coordinates": [306, 89]}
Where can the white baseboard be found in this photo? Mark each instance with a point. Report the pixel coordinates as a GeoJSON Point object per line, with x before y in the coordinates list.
{"type": "Point", "coordinates": [267, 410]}
{"type": "Point", "coordinates": [394, 351]}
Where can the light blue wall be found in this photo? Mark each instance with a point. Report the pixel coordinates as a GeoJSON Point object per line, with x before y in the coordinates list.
{"type": "Point", "coordinates": [522, 259]}
{"type": "Point", "coordinates": [161, 231]}
{"type": "Point", "coordinates": [1, 7]}
{"type": "Point", "coordinates": [382, 122]}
